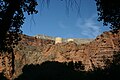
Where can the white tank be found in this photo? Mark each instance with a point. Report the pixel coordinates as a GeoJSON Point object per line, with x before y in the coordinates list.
{"type": "Point", "coordinates": [68, 40]}
{"type": "Point", "coordinates": [58, 40]}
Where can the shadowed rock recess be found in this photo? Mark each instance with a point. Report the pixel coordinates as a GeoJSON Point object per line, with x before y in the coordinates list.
{"type": "Point", "coordinates": [36, 50]}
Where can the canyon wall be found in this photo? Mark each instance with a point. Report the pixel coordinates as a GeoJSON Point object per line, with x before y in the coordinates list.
{"type": "Point", "coordinates": [32, 50]}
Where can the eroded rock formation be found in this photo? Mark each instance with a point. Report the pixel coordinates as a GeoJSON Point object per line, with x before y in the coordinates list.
{"type": "Point", "coordinates": [31, 50]}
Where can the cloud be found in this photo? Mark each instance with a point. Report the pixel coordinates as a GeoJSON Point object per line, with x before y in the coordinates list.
{"type": "Point", "coordinates": [89, 27]}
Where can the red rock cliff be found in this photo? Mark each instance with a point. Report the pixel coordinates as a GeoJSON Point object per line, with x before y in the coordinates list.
{"type": "Point", "coordinates": [31, 50]}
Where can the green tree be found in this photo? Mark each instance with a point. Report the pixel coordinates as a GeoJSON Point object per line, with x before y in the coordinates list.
{"type": "Point", "coordinates": [109, 13]}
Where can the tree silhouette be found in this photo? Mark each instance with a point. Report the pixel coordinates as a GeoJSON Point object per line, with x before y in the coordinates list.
{"type": "Point", "coordinates": [51, 70]}
{"type": "Point", "coordinates": [110, 72]}
{"type": "Point", "coordinates": [11, 20]}
{"type": "Point", "coordinates": [2, 77]}
{"type": "Point", "coordinates": [109, 13]}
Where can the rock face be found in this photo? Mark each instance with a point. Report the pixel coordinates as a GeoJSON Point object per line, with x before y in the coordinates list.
{"type": "Point", "coordinates": [32, 50]}
{"type": "Point", "coordinates": [76, 40]}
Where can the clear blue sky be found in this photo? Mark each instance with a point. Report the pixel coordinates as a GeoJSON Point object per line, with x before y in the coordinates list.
{"type": "Point", "coordinates": [55, 21]}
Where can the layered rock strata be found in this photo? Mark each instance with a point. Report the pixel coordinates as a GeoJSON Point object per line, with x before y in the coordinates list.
{"type": "Point", "coordinates": [32, 50]}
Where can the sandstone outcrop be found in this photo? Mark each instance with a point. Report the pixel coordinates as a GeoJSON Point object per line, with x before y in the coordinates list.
{"type": "Point", "coordinates": [32, 50]}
